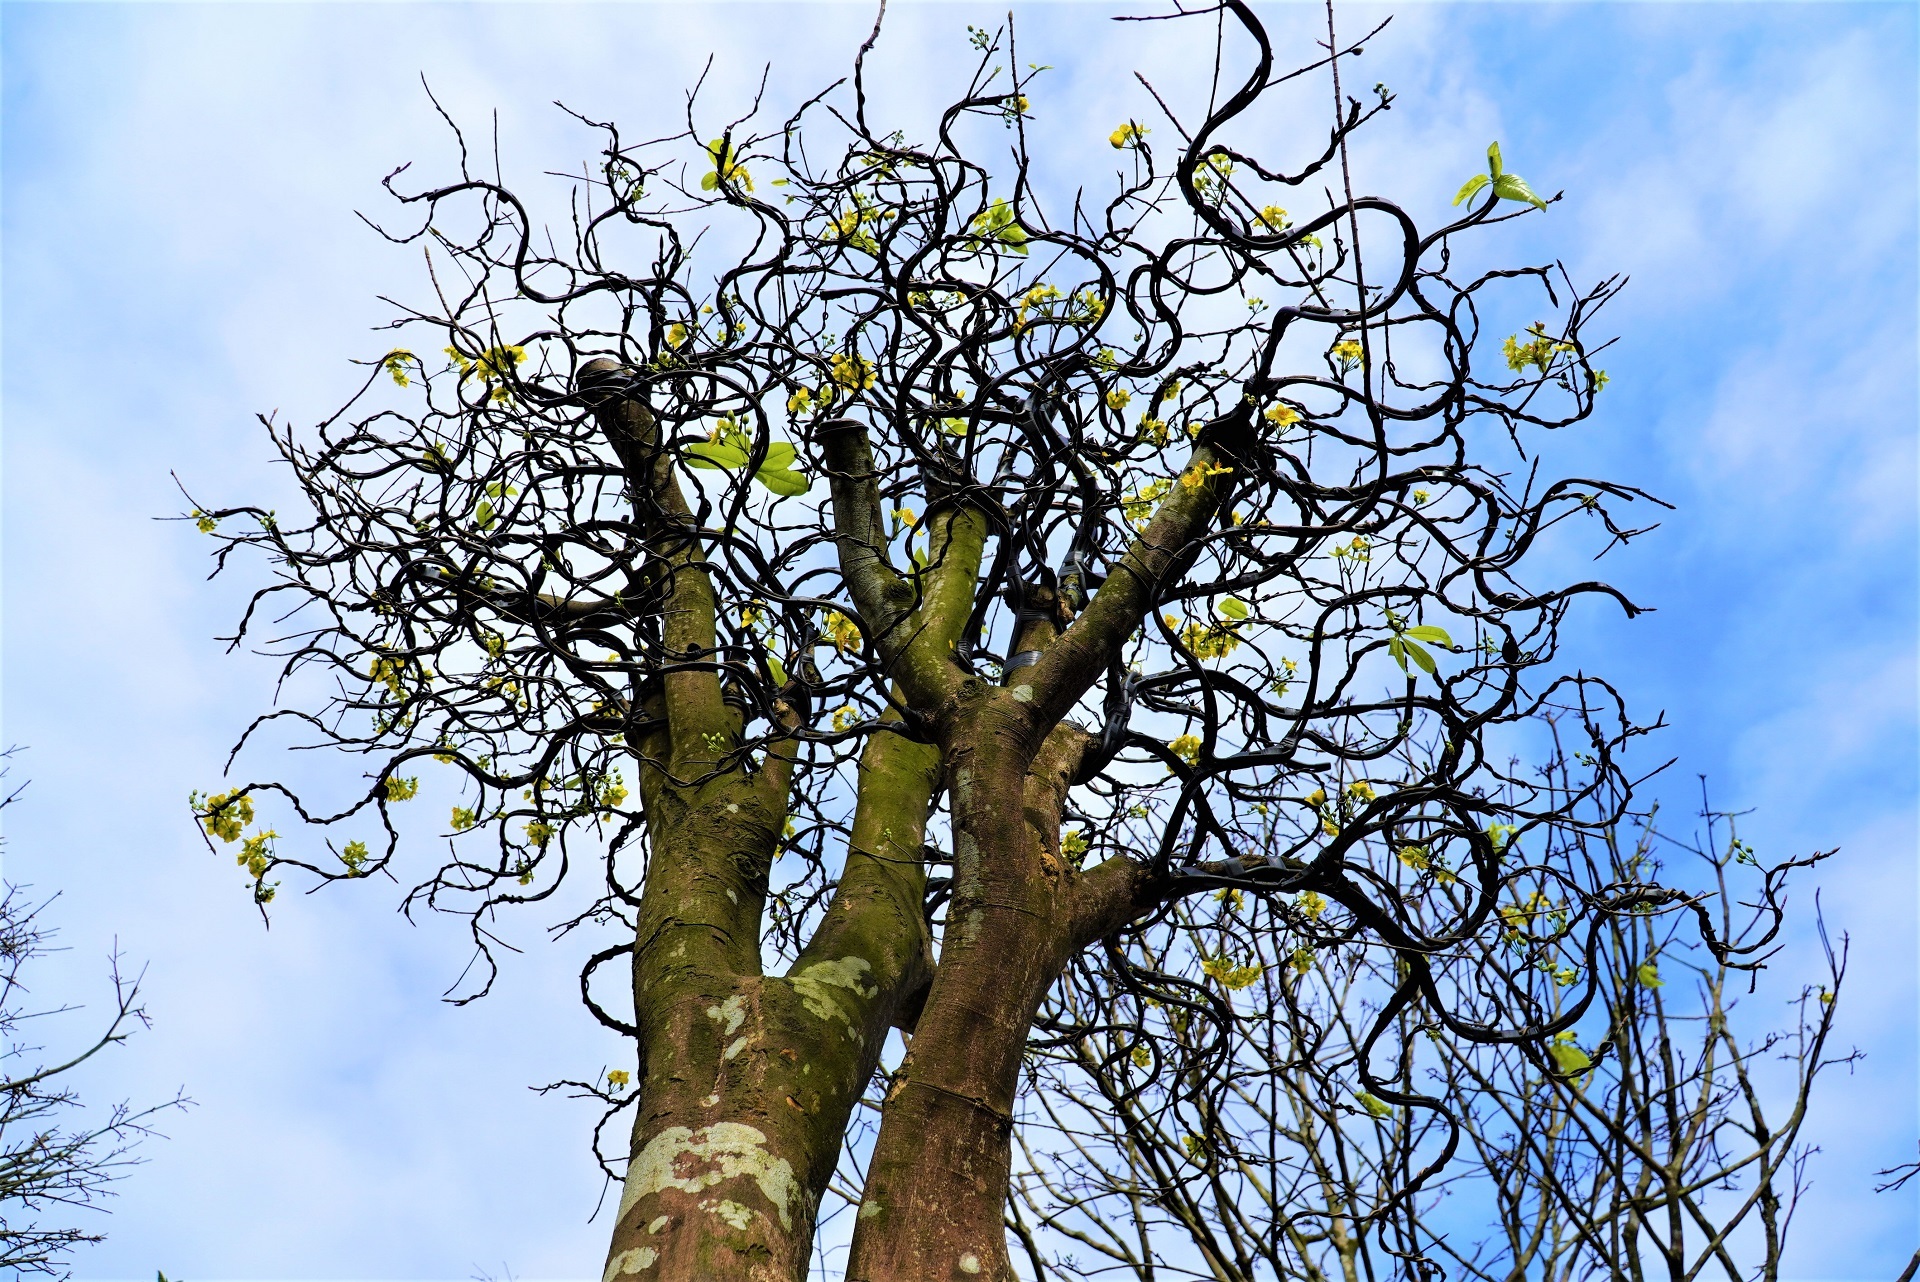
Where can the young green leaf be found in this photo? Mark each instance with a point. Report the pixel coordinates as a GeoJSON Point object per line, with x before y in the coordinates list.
{"type": "Point", "coordinates": [711, 454]}
{"type": "Point", "coordinates": [1471, 186]}
{"type": "Point", "coordinates": [1421, 657]}
{"type": "Point", "coordinates": [1514, 187]}
{"type": "Point", "coordinates": [1569, 1059]}
{"type": "Point", "coordinates": [1233, 608]}
{"type": "Point", "coordinates": [1427, 632]}
{"type": "Point", "coordinates": [783, 480]}
{"type": "Point", "coordinates": [1648, 975]}
{"type": "Point", "coordinates": [1494, 165]}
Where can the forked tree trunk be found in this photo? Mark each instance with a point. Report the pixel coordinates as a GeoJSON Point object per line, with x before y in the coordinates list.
{"type": "Point", "coordinates": [935, 1201]}
{"type": "Point", "coordinates": [747, 1080]}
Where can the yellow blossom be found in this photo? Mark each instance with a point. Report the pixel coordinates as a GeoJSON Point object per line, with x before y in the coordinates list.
{"type": "Point", "coordinates": [1127, 135]}
{"type": "Point", "coordinates": [842, 631]}
{"type": "Point", "coordinates": [1187, 748]}
{"type": "Point", "coordinates": [224, 815]}
{"type": "Point", "coordinates": [619, 1078]}
{"type": "Point", "coordinates": [852, 372]}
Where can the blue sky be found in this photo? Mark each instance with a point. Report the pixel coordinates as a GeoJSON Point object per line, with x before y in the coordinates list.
{"type": "Point", "coordinates": [180, 252]}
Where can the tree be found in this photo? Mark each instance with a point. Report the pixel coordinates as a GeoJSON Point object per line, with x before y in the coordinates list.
{"type": "Point", "coordinates": [1671, 1150]}
{"type": "Point", "coordinates": [980, 598]}
{"type": "Point", "coordinates": [45, 1161]}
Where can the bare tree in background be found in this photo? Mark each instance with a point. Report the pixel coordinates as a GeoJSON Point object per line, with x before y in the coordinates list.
{"type": "Point", "coordinates": [988, 595]}
{"type": "Point", "coordinates": [54, 1158]}
{"type": "Point", "coordinates": [1659, 1138]}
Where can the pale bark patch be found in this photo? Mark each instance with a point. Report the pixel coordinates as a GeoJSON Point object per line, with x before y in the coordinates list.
{"type": "Point", "coordinates": [732, 1012]}
{"type": "Point", "coordinates": [816, 984]}
{"type": "Point", "coordinates": [628, 1263]}
{"type": "Point", "coordinates": [694, 1161]}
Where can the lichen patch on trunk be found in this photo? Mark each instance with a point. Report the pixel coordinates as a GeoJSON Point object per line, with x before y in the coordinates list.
{"type": "Point", "coordinates": [693, 1161]}
{"type": "Point", "coordinates": [628, 1263]}
{"type": "Point", "coordinates": [816, 984]}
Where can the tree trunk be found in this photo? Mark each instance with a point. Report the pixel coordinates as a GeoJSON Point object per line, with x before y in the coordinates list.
{"type": "Point", "coordinates": [747, 1081]}
{"type": "Point", "coordinates": [935, 1201]}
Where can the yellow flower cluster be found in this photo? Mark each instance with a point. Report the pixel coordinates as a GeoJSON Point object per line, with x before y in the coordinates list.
{"type": "Point", "coordinates": [852, 372]}
{"type": "Point", "coordinates": [1128, 135]}
{"type": "Point", "coordinates": [1209, 640]}
{"type": "Point", "coordinates": [1196, 476]}
{"type": "Point", "coordinates": [492, 365]}
{"type": "Point", "coordinates": [399, 789]}
{"type": "Point", "coordinates": [1138, 505]}
{"type": "Point", "coordinates": [1231, 976]}
{"type": "Point", "coordinates": [1348, 353]}
{"type": "Point", "coordinates": [223, 815]}
{"type": "Point", "coordinates": [1274, 218]}
{"type": "Point", "coordinates": [255, 853]}
{"type": "Point", "coordinates": [1538, 351]}
{"type": "Point", "coordinates": [1187, 748]}
{"type": "Point", "coordinates": [842, 631]}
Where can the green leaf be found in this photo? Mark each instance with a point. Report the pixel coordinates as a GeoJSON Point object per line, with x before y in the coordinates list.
{"type": "Point", "coordinates": [1514, 187]}
{"type": "Point", "coordinates": [1648, 975]}
{"type": "Point", "coordinates": [1233, 608]}
{"type": "Point", "coordinates": [1398, 649]}
{"type": "Point", "coordinates": [1427, 632]}
{"type": "Point", "coordinates": [710, 182]}
{"type": "Point", "coordinates": [1421, 657]}
{"type": "Point", "coordinates": [780, 454]}
{"type": "Point", "coordinates": [1569, 1059]}
{"type": "Point", "coordinates": [1471, 186]}
{"type": "Point", "coordinates": [1374, 1105]}
{"type": "Point", "coordinates": [1494, 166]}
{"type": "Point", "coordinates": [783, 480]}
{"type": "Point", "coordinates": [710, 454]}
{"type": "Point", "coordinates": [774, 666]}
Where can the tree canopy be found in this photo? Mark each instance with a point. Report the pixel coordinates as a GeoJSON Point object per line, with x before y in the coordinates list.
{"type": "Point", "coordinates": [917, 599]}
